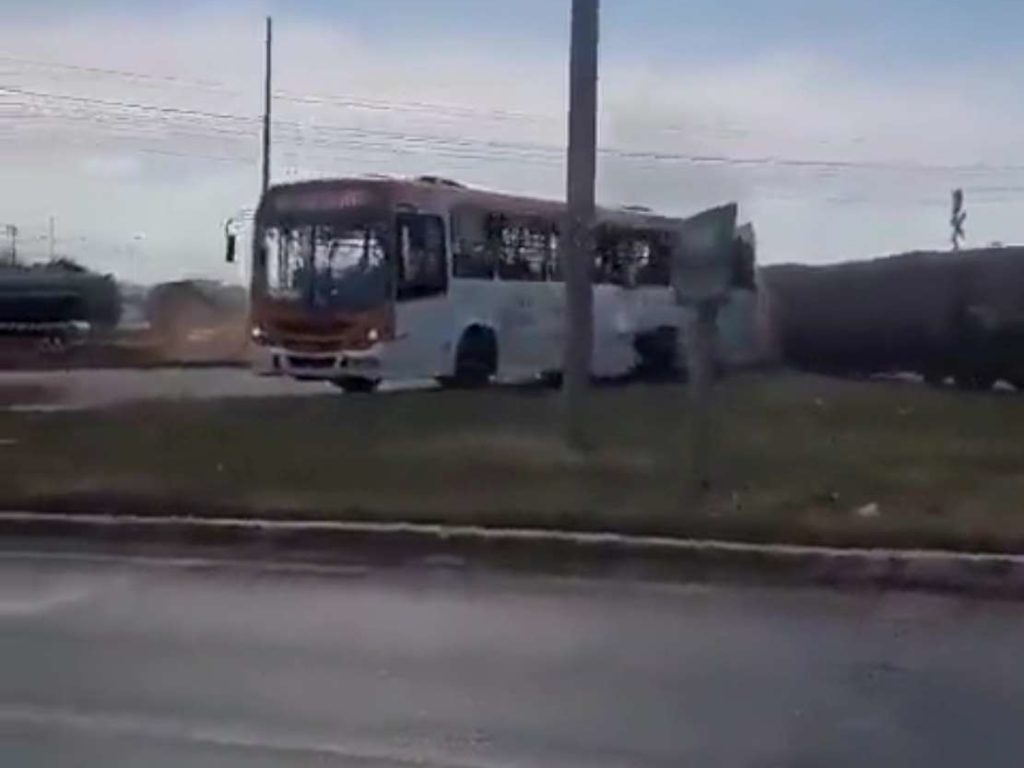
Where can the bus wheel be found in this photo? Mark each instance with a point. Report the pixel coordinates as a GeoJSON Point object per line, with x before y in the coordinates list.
{"type": "Point", "coordinates": [476, 360]}
{"type": "Point", "coordinates": [656, 353]}
{"type": "Point", "coordinates": [355, 384]}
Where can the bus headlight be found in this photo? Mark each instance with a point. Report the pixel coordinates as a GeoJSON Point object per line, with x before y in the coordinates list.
{"type": "Point", "coordinates": [258, 334]}
{"type": "Point", "coordinates": [373, 335]}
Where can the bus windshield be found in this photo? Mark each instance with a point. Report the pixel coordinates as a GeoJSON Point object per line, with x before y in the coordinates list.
{"type": "Point", "coordinates": [330, 266]}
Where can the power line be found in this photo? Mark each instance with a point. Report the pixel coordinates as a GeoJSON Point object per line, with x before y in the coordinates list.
{"type": "Point", "coordinates": [450, 110]}
{"type": "Point", "coordinates": [468, 112]}
{"type": "Point", "coordinates": [414, 106]}
{"type": "Point", "coordinates": [326, 141]}
{"type": "Point", "coordinates": [156, 108]}
{"type": "Point", "coordinates": [431, 108]}
{"type": "Point", "coordinates": [252, 120]}
{"type": "Point", "coordinates": [348, 101]}
{"type": "Point", "coordinates": [382, 152]}
{"type": "Point", "coordinates": [122, 73]}
{"type": "Point", "coordinates": [362, 151]}
{"type": "Point", "coordinates": [543, 149]}
{"type": "Point", "coordinates": [344, 150]}
{"type": "Point", "coordinates": [357, 139]}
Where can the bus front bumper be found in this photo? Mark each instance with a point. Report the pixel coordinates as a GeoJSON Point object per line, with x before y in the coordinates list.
{"type": "Point", "coordinates": [326, 366]}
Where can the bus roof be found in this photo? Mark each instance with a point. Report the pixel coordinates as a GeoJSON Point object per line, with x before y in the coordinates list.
{"type": "Point", "coordinates": [427, 192]}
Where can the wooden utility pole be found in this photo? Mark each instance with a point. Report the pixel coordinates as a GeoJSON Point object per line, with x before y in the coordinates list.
{"type": "Point", "coordinates": [576, 243]}
{"type": "Point", "coordinates": [267, 98]}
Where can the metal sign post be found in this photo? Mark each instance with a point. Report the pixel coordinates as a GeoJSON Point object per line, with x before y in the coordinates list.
{"type": "Point", "coordinates": [702, 273]}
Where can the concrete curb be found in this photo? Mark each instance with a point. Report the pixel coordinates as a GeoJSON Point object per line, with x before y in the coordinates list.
{"type": "Point", "coordinates": [596, 554]}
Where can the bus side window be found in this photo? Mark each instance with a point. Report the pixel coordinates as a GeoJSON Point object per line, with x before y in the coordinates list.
{"type": "Point", "coordinates": [422, 258]}
{"type": "Point", "coordinates": [606, 243]}
{"type": "Point", "coordinates": [524, 251]}
{"type": "Point", "coordinates": [471, 256]}
{"type": "Point", "coordinates": [631, 257]}
{"type": "Point", "coordinates": [555, 272]}
{"type": "Point", "coordinates": [655, 261]}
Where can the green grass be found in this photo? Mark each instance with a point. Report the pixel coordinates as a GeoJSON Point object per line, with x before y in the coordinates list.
{"type": "Point", "coordinates": [794, 457]}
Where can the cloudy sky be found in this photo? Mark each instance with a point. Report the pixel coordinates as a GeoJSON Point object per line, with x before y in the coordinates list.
{"type": "Point", "coordinates": [839, 126]}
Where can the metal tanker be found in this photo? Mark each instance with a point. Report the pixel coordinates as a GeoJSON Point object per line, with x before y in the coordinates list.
{"type": "Point", "coordinates": [58, 299]}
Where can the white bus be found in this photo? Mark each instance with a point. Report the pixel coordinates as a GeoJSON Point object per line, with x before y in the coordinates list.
{"type": "Point", "coordinates": [355, 281]}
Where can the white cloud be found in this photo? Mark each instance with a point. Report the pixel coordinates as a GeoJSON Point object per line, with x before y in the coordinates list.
{"type": "Point", "coordinates": [109, 171]}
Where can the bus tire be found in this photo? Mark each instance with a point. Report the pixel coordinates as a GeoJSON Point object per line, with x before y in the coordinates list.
{"type": "Point", "coordinates": [352, 385]}
{"type": "Point", "coordinates": [657, 353]}
{"type": "Point", "coordinates": [476, 359]}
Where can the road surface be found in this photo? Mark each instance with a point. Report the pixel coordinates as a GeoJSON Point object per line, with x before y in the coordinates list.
{"type": "Point", "coordinates": [107, 662]}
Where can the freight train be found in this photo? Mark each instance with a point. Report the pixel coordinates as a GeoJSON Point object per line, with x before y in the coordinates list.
{"type": "Point", "coordinates": [943, 316]}
{"type": "Point", "coordinates": [58, 300]}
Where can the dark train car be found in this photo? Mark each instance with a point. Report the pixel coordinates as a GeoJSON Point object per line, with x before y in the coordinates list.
{"type": "Point", "coordinates": [59, 298]}
{"type": "Point", "coordinates": [940, 315]}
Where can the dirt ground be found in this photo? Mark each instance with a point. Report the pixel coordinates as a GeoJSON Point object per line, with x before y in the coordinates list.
{"type": "Point", "coordinates": [89, 388]}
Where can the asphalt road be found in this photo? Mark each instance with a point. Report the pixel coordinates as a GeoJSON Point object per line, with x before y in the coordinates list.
{"type": "Point", "coordinates": [115, 663]}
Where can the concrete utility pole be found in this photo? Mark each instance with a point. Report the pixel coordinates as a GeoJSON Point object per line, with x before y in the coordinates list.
{"type": "Point", "coordinates": [576, 243]}
{"type": "Point", "coordinates": [267, 98]}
